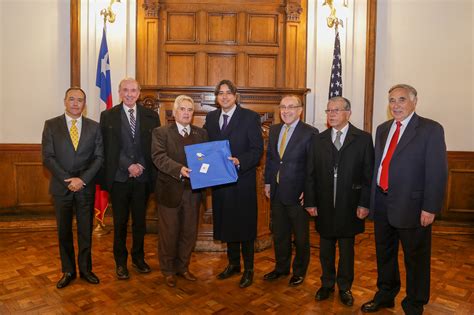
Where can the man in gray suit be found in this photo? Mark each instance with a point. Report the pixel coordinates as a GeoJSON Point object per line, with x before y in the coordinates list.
{"type": "Point", "coordinates": [73, 153]}
{"type": "Point", "coordinates": [178, 204]}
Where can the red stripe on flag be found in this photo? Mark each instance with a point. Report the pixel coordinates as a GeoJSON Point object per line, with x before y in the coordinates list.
{"type": "Point", "coordinates": [101, 203]}
{"type": "Point", "coordinates": [109, 102]}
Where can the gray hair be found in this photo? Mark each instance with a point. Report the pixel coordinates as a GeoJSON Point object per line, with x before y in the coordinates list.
{"type": "Point", "coordinates": [129, 79]}
{"type": "Point", "coordinates": [179, 100]}
{"type": "Point", "coordinates": [410, 89]}
{"type": "Point", "coordinates": [347, 103]}
{"type": "Point", "coordinates": [298, 100]}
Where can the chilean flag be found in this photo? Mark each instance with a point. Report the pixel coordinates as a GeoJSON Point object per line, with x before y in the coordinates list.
{"type": "Point", "coordinates": [103, 83]}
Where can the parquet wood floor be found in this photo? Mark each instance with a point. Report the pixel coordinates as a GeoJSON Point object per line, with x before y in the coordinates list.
{"type": "Point", "coordinates": [30, 268]}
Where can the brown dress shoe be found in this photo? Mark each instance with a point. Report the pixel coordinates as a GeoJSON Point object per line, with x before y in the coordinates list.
{"type": "Point", "coordinates": [187, 275]}
{"type": "Point", "coordinates": [171, 281]}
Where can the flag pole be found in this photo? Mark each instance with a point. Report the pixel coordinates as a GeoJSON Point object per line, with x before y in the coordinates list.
{"type": "Point", "coordinates": [101, 204]}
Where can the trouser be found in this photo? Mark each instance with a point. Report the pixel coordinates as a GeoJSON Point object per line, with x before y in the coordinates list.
{"type": "Point", "coordinates": [129, 197]}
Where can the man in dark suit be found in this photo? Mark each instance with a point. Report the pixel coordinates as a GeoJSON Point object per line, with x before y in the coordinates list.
{"type": "Point", "coordinates": [337, 194]}
{"type": "Point", "coordinates": [234, 205]}
{"type": "Point", "coordinates": [128, 172]}
{"type": "Point", "coordinates": [285, 172]}
{"type": "Point", "coordinates": [407, 191]}
{"type": "Point", "coordinates": [178, 204]}
{"type": "Point", "coordinates": [73, 153]}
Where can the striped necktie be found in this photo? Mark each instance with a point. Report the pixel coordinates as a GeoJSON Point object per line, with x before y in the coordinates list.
{"type": "Point", "coordinates": [133, 122]}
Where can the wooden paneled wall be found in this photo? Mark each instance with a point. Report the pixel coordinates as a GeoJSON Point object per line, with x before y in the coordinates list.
{"type": "Point", "coordinates": [198, 43]}
{"type": "Point", "coordinates": [25, 184]}
{"type": "Point", "coordinates": [25, 181]}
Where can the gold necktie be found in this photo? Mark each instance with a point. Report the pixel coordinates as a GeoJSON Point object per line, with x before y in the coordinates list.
{"type": "Point", "coordinates": [74, 134]}
{"type": "Point", "coordinates": [283, 141]}
{"type": "Point", "coordinates": [282, 147]}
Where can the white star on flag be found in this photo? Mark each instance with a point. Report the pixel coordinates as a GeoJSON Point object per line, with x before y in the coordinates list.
{"type": "Point", "coordinates": [104, 64]}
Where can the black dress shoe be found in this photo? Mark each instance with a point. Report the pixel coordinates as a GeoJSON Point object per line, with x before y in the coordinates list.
{"type": "Point", "coordinates": [89, 277]}
{"type": "Point", "coordinates": [346, 297]}
{"type": "Point", "coordinates": [323, 293]}
{"type": "Point", "coordinates": [296, 281]}
{"type": "Point", "coordinates": [141, 266]}
{"type": "Point", "coordinates": [228, 272]}
{"type": "Point", "coordinates": [122, 272]}
{"type": "Point", "coordinates": [274, 275]}
{"type": "Point", "coordinates": [373, 306]}
{"type": "Point", "coordinates": [247, 279]}
{"type": "Point", "coordinates": [65, 280]}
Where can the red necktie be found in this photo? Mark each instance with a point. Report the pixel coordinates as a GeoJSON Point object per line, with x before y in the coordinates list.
{"type": "Point", "coordinates": [388, 157]}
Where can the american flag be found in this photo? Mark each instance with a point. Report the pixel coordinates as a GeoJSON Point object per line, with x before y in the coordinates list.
{"type": "Point", "coordinates": [335, 85]}
{"type": "Point", "coordinates": [103, 82]}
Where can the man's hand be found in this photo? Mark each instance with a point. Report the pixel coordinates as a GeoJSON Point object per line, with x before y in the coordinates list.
{"type": "Point", "coordinates": [301, 198]}
{"type": "Point", "coordinates": [75, 184]}
{"type": "Point", "coordinates": [362, 212]}
{"type": "Point", "coordinates": [135, 170]}
{"type": "Point", "coordinates": [267, 190]}
{"type": "Point", "coordinates": [426, 218]}
{"type": "Point", "coordinates": [185, 171]}
{"type": "Point", "coordinates": [234, 160]}
{"type": "Point", "coordinates": [313, 211]}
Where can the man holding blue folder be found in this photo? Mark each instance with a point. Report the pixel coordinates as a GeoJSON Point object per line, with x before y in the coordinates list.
{"type": "Point", "coordinates": [178, 204]}
{"type": "Point", "coordinates": [235, 205]}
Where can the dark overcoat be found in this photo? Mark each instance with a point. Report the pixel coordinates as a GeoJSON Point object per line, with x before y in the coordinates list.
{"type": "Point", "coordinates": [234, 205]}
{"type": "Point", "coordinates": [354, 175]}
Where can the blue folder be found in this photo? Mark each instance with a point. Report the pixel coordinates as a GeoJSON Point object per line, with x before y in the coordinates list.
{"type": "Point", "coordinates": [210, 164]}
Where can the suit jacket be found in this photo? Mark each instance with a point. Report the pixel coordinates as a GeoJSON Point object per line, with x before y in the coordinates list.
{"type": "Point", "coordinates": [292, 166]}
{"type": "Point", "coordinates": [110, 124]}
{"type": "Point", "coordinates": [417, 174]}
{"type": "Point", "coordinates": [63, 161]}
{"type": "Point", "coordinates": [235, 204]}
{"type": "Point", "coordinates": [354, 175]}
{"type": "Point", "coordinates": [167, 152]}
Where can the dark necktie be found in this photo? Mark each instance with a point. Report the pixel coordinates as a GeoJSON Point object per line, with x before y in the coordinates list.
{"type": "Point", "coordinates": [133, 122]}
{"type": "Point", "coordinates": [388, 157]}
{"type": "Point", "coordinates": [185, 132]}
{"type": "Point", "coordinates": [226, 119]}
{"type": "Point", "coordinates": [337, 142]}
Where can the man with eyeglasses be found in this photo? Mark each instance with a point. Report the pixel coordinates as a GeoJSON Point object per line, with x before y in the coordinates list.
{"type": "Point", "coordinates": [407, 191]}
{"type": "Point", "coordinates": [337, 194]}
{"type": "Point", "coordinates": [285, 171]}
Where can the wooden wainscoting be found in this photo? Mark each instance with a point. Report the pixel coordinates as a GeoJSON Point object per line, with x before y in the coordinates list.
{"type": "Point", "coordinates": [459, 201]}
{"type": "Point", "coordinates": [25, 187]}
{"type": "Point", "coordinates": [25, 180]}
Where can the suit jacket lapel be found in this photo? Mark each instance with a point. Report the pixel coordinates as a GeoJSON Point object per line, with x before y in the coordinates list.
{"type": "Point", "coordinates": [116, 121]}
{"type": "Point", "coordinates": [294, 138]}
{"type": "Point", "coordinates": [65, 131]}
{"type": "Point", "coordinates": [350, 136]}
{"type": "Point", "coordinates": [327, 141]}
{"type": "Point", "coordinates": [234, 121]}
{"type": "Point", "coordinates": [408, 134]}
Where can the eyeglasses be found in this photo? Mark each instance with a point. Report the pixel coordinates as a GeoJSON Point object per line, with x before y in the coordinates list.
{"type": "Point", "coordinates": [335, 111]}
{"type": "Point", "coordinates": [291, 107]}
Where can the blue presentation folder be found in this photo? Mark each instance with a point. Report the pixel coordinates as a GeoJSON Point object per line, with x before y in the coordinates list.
{"type": "Point", "coordinates": [210, 164]}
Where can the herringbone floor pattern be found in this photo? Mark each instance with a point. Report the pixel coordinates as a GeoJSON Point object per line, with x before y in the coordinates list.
{"type": "Point", "coordinates": [30, 268]}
